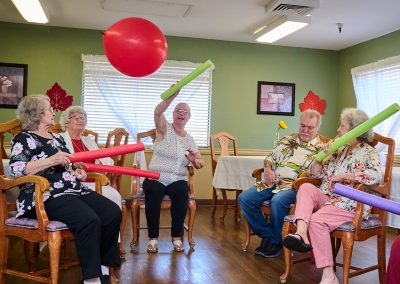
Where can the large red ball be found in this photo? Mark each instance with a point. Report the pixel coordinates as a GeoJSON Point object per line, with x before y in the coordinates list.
{"type": "Point", "coordinates": [135, 46]}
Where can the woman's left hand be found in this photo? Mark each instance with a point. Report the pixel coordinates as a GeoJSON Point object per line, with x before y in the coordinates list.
{"type": "Point", "coordinates": [81, 174]}
{"type": "Point", "coordinates": [190, 155]}
{"type": "Point", "coordinates": [345, 178]}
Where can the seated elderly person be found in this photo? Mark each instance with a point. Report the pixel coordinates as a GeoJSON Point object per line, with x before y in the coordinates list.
{"type": "Point", "coordinates": [174, 149]}
{"type": "Point", "coordinates": [292, 155]}
{"type": "Point", "coordinates": [318, 210]}
{"type": "Point", "coordinates": [93, 219]}
{"type": "Point", "coordinates": [73, 122]}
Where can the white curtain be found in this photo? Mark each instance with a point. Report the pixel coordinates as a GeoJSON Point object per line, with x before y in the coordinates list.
{"type": "Point", "coordinates": [377, 86]}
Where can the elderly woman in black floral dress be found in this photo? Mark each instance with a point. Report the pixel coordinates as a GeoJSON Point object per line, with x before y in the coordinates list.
{"type": "Point", "coordinates": [93, 219]}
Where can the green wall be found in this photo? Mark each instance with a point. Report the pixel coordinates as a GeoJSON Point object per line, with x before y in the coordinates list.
{"type": "Point", "coordinates": [54, 55]}
{"type": "Point", "coordinates": [361, 54]}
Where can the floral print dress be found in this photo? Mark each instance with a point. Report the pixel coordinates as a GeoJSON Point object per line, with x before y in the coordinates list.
{"type": "Point", "coordinates": [362, 160]}
{"type": "Point", "coordinates": [28, 146]}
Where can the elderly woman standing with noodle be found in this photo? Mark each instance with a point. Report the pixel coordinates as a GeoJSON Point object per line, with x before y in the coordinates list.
{"type": "Point", "coordinates": [93, 219]}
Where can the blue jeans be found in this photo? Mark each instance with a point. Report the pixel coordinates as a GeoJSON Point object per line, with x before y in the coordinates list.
{"type": "Point", "coordinates": [250, 202]}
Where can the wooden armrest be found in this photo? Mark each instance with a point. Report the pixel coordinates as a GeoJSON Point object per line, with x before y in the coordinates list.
{"type": "Point", "coordinates": [190, 170]}
{"type": "Point", "coordinates": [257, 174]}
{"type": "Point", "coordinates": [41, 186]}
{"type": "Point", "coordinates": [298, 182]}
{"type": "Point", "coordinates": [304, 174]}
{"type": "Point", "coordinates": [100, 181]}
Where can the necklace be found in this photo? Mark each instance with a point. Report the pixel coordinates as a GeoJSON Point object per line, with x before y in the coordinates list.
{"type": "Point", "coordinates": [78, 145]}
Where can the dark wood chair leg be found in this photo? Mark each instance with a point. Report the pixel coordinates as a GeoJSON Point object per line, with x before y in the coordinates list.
{"type": "Point", "coordinates": [225, 204]}
{"type": "Point", "coordinates": [214, 202]}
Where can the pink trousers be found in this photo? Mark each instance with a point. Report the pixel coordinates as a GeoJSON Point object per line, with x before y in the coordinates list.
{"type": "Point", "coordinates": [321, 219]}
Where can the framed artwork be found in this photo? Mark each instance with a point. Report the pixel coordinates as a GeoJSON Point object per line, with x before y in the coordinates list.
{"type": "Point", "coordinates": [275, 98]}
{"type": "Point", "coordinates": [13, 84]}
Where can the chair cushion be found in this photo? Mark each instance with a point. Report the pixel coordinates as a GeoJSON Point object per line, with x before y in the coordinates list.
{"type": "Point", "coordinates": [372, 222]}
{"type": "Point", "coordinates": [33, 224]}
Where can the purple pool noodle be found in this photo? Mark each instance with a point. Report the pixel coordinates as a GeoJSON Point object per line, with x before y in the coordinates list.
{"type": "Point", "coordinates": [366, 198]}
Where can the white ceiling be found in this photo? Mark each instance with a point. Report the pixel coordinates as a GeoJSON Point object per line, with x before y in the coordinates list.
{"type": "Point", "coordinates": [231, 20]}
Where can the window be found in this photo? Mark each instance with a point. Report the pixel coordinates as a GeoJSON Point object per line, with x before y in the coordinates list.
{"type": "Point", "coordinates": [112, 99]}
{"type": "Point", "coordinates": [377, 86]}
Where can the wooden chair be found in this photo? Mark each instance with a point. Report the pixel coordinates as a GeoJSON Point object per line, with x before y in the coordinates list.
{"type": "Point", "coordinates": [56, 128]}
{"type": "Point", "coordinates": [357, 230]}
{"type": "Point", "coordinates": [117, 137]}
{"type": "Point", "coordinates": [31, 230]}
{"type": "Point", "coordinates": [224, 139]}
{"type": "Point", "coordinates": [265, 208]}
{"type": "Point", "coordinates": [138, 199]}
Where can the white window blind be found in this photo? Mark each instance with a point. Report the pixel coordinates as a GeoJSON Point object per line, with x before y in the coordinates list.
{"type": "Point", "coordinates": [377, 86]}
{"type": "Point", "coordinates": [112, 99]}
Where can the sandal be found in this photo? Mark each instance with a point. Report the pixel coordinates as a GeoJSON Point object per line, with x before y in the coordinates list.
{"type": "Point", "coordinates": [178, 245]}
{"type": "Point", "coordinates": [297, 244]}
{"type": "Point", "coordinates": [152, 246]}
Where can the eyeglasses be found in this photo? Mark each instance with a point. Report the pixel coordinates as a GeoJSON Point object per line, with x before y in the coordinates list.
{"type": "Point", "coordinates": [78, 117]}
{"type": "Point", "coordinates": [183, 111]}
{"type": "Point", "coordinates": [51, 109]}
{"type": "Point", "coordinates": [309, 128]}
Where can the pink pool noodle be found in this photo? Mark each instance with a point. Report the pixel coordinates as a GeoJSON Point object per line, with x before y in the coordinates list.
{"type": "Point", "coordinates": [121, 170]}
{"type": "Point", "coordinates": [366, 198]}
{"type": "Point", "coordinates": [106, 152]}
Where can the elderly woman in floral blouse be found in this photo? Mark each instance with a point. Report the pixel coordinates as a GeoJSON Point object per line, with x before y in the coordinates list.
{"type": "Point", "coordinates": [318, 210]}
{"type": "Point", "coordinates": [93, 219]}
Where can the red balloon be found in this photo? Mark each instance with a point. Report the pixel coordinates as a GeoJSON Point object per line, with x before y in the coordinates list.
{"type": "Point", "coordinates": [135, 47]}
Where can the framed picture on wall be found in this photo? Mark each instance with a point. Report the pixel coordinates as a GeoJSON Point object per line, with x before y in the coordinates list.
{"type": "Point", "coordinates": [275, 98]}
{"type": "Point", "coordinates": [13, 84]}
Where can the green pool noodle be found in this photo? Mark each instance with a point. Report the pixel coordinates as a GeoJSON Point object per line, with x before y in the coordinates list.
{"type": "Point", "coordinates": [357, 131]}
{"type": "Point", "coordinates": [187, 79]}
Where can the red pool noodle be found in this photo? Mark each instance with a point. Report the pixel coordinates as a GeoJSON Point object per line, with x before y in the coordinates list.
{"type": "Point", "coordinates": [106, 152]}
{"type": "Point", "coordinates": [121, 170]}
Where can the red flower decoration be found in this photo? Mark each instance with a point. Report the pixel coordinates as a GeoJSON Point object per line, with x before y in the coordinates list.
{"type": "Point", "coordinates": [312, 101]}
{"type": "Point", "coordinates": [59, 99]}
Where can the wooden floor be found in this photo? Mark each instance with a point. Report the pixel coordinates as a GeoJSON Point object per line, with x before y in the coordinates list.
{"type": "Point", "coordinates": [217, 258]}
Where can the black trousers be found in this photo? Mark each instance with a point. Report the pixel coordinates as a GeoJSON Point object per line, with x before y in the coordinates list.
{"type": "Point", "coordinates": [94, 221]}
{"type": "Point", "coordinates": [154, 193]}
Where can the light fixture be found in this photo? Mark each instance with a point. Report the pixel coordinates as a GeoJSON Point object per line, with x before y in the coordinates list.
{"type": "Point", "coordinates": [283, 26]}
{"type": "Point", "coordinates": [33, 11]}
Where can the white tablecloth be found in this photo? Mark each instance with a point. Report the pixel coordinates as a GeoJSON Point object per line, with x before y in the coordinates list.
{"type": "Point", "coordinates": [234, 172]}
{"type": "Point", "coordinates": [393, 220]}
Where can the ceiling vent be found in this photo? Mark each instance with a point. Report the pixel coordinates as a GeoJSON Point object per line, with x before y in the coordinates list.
{"type": "Point", "coordinates": [291, 7]}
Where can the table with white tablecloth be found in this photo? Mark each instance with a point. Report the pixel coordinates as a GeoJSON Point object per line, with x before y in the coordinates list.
{"type": "Point", "coordinates": [234, 172]}
{"type": "Point", "coordinates": [393, 220]}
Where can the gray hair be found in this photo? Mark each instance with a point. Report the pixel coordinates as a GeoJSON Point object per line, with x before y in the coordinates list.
{"type": "Point", "coordinates": [355, 117]}
{"type": "Point", "coordinates": [311, 113]}
{"type": "Point", "coordinates": [30, 111]}
{"type": "Point", "coordinates": [69, 113]}
{"type": "Point", "coordinates": [180, 104]}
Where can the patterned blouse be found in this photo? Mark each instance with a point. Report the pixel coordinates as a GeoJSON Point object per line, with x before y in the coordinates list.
{"type": "Point", "coordinates": [169, 156]}
{"type": "Point", "coordinates": [290, 158]}
{"type": "Point", "coordinates": [362, 160]}
{"type": "Point", "coordinates": [28, 146]}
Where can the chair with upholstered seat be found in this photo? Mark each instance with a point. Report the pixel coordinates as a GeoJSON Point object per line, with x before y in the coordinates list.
{"type": "Point", "coordinates": [224, 140]}
{"type": "Point", "coordinates": [138, 198]}
{"type": "Point", "coordinates": [357, 230]}
{"type": "Point", "coordinates": [31, 230]}
{"type": "Point", "coordinates": [117, 137]}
